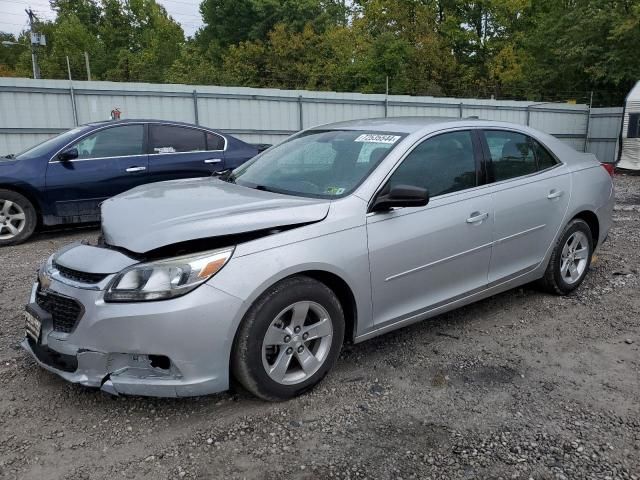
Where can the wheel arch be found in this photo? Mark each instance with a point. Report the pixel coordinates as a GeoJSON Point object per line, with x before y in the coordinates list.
{"type": "Point", "coordinates": [594, 224]}
{"type": "Point", "coordinates": [336, 283]}
{"type": "Point", "coordinates": [344, 293]}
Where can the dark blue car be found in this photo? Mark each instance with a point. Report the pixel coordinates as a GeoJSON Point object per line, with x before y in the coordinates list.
{"type": "Point", "coordinates": [64, 179]}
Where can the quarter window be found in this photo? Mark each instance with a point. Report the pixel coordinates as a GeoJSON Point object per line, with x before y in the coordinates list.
{"type": "Point", "coordinates": [545, 160]}
{"type": "Point", "coordinates": [511, 154]}
{"type": "Point", "coordinates": [441, 164]}
{"type": "Point", "coordinates": [113, 142]}
{"type": "Point", "coordinates": [171, 139]}
{"type": "Point", "coordinates": [214, 142]}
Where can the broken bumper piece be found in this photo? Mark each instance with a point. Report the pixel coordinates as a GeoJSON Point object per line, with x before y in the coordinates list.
{"type": "Point", "coordinates": [172, 348]}
{"type": "Point", "coordinates": [131, 374]}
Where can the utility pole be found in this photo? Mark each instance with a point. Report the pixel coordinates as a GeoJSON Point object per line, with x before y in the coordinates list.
{"type": "Point", "coordinates": [34, 58]}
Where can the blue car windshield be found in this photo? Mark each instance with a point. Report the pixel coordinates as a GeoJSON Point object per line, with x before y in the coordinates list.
{"type": "Point", "coordinates": [318, 163]}
{"type": "Point", "coordinates": [47, 145]}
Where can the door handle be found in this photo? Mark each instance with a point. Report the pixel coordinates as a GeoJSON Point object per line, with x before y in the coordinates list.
{"type": "Point", "coordinates": [555, 194]}
{"type": "Point", "coordinates": [213, 160]}
{"type": "Point", "coordinates": [135, 169]}
{"type": "Point", "coordinates": [477, 217]}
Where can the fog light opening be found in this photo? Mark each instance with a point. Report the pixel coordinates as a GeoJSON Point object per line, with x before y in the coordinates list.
{"type": "Point", "coordinates": [160, 361]}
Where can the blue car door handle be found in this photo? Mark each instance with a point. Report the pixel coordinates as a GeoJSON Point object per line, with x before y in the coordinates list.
{"type": "Point", "coordinates": [135, 169]}
{"type": "Point", "coordinates": [213, 160]}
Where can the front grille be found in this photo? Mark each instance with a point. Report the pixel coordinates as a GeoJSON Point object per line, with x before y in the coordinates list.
{"type": "Point", "coordinates": [77, 276]}
{"type": "Point", "coordinates": [64, 311]}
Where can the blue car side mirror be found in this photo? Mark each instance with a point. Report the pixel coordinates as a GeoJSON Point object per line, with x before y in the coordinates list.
{"type": "Point", "coordinates": [67, 155]}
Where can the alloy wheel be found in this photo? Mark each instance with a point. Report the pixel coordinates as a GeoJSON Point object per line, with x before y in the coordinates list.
{"type": "Point", "coordinates": [574, 258]}
{"type": "Point", "coordinates": [297, 343]}
{"type": "Point", "coordinates": [12, 219]}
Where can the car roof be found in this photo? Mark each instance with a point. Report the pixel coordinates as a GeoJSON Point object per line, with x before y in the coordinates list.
{"type": "Point", "coordinates": [426, 125]}
{"type": "Point", "coordinates": [390, 124]}
{"type": "Point", "coordinates": [125, 121]}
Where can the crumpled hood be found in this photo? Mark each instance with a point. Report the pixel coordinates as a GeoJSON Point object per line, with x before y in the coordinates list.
{"type": "Point", "coordinates": [159, 214]}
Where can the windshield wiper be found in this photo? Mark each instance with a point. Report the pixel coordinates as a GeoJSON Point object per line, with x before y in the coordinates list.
{"type": "Point", "coordinates": [11, 155]}
{"type": "Point", "coordinates": [225, 175]}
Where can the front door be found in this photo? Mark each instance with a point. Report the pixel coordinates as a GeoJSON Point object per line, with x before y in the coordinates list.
{"type": "Point", "coordinates": [421, 258]}
{"type": "Point", "coordinates": [110, 161]}
{"type": "Point", "coordinates": [183, 152]}
{"type": "Point", "coordinates": [531, 192]}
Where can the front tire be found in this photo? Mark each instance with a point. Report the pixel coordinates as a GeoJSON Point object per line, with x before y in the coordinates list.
{"type": "Point", "coordinates": [18, 218]}
{"type": "Point", "coordinates": [570, 259]}
{"type": "Point", "coordinates": [289, 339]}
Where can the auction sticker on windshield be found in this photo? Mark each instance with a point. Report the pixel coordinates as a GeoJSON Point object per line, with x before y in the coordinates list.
{"type": "Point", "coordinates": [376, 138]}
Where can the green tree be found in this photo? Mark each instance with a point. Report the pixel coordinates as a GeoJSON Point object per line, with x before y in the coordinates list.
{"type": "Point", "coordinates": [230, 22]}
{"type": "Point", "coordinates": [193, 67]}
{"type": "Point", "coordinates": [71, 37]}
{"type": "Point", "coordinates": [144, 39]}
{"type": "Point", "coordinates": [9, 55]}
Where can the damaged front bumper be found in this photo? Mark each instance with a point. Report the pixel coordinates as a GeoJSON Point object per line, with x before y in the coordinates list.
{"type": "Point", "coordinates": [170, 348]}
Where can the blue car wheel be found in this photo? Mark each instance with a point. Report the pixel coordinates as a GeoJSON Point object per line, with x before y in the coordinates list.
{"type": "Point", "coordinates": [18, 218]}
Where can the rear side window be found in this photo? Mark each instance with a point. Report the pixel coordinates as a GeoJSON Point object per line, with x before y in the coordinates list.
{"type": "Point", "coordinates": [544, 158]}
{"type": "Point", "coordinates": [441, 164]}
{"type": "Point", "coordinates": [113, 142]}
{"type": "Point", "coordinates": [171, 139]}
{"type": "Point", "coordinates": [214, 142]}
{"type": "Point", "coordinates": [511, 154]}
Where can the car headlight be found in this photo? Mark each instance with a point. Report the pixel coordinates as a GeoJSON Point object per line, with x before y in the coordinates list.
{"type": "Point", "coordinates": [167, 278]}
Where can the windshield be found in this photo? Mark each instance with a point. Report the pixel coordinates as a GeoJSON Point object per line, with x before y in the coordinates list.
{"type": "Point", "coordinates": [47, 145]}
{"type": "Point", "coordinates": [317, 163]}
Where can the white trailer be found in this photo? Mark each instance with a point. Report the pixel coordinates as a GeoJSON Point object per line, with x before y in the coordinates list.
{"type": "Point", "coordinates": [630, 135]}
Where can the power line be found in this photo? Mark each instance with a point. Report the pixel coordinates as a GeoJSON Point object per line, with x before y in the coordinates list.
{"type": "Point", "coordinates": [20, 2]}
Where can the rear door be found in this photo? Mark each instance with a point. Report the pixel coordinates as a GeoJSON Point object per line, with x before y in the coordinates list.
{"type": "Point", "coordinates": [531, 191]}
{"type": "Point", "coordinates": [177, 151]}
{"type": "Point", "coordinates": [110, 161]}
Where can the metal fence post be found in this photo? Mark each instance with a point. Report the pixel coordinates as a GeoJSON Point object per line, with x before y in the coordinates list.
{"type": "Point", "coordinates": [195, 107]}
{"type": "Point", "coordinates": [300, 114]}
{"type": "Point", "coordinates": [74, 109]}
{"type": "Point", "coordinates": [461, 107]}
{"type": "Point", "coordinates": [386, 98]}
{"type": "Point", "coordinates": [586, 134]}
{"type": "Point", "coordinates": [528, 115]}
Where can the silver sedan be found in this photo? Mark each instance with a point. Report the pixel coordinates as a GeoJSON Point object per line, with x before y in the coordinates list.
{"type": "Point", "coordinates": [341, 233]}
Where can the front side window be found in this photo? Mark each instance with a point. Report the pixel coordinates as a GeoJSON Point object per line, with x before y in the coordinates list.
{"type": "Point", "coordinates": [172, 139]}
{"type": "Point", "coordinates": [113, 142]}
{"type": "Point", "coordinates": [511, 154]}
{"type": "Point", "coordinates": [441, 164]}
{"type": "Point", "coordinates": [318, 163]}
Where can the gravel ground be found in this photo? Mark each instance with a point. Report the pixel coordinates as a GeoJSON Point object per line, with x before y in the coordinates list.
{"type": "Point", "coordinates": [523, 385]}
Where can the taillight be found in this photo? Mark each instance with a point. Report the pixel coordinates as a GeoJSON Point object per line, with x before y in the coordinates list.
{"type": "Point", "coordinates": [609, 167]}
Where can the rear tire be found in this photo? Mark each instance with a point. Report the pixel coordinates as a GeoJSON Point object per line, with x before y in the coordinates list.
{"type": "Point", "coordinates": [570, 259]}
{"type": "Point", "coordinates": [289, 339]}
{"type": "Point", "coordinates": [18, 218]}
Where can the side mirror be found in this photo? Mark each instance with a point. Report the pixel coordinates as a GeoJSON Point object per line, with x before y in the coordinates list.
{"type": "Point", "coordinates": [67, 155]}
{"type": "Point", "coordinates": [401, 196]}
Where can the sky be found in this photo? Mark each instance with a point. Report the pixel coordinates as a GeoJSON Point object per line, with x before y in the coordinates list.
{"type": "Point", "coordinates": [13, 19]}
